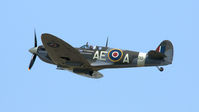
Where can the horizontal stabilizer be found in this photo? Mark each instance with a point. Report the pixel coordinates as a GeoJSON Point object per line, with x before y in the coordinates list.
{"type": "Point", "coordinates": [156, 55]}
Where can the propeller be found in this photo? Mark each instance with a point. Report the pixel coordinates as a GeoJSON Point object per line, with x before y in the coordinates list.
{"type": "Point", "coordinates": [35, 38]}
{"type": "Point", "coordinates": [33, 51]}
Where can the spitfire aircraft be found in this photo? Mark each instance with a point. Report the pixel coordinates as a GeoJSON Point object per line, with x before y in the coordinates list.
{"type": "Point", "coordinates": [88, 60]}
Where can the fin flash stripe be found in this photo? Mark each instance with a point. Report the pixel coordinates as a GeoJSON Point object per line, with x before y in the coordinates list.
{"type": "Point", "coordinates": [161, 49]}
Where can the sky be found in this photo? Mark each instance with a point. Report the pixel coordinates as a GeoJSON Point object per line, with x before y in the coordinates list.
{"type": "Point", "coordinates": [138, 25]}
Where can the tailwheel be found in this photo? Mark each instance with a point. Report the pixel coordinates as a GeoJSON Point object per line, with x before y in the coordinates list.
{"type": "Point", "coordinates": [161, 69]}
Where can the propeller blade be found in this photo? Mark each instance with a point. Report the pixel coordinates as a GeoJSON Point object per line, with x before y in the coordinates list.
{"type": "Point", "coordinates": [32, 62]}
{"type": "Point", "coordinates": [35, 38]}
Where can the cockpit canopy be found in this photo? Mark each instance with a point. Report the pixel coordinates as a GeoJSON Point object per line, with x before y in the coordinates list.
{"type": "Point", "coordinates": [87, 47]}
{"type": "Point", "coordinates": [90, 47]}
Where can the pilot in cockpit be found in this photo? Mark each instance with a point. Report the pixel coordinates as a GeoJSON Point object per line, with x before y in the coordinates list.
{"type": "Point", "coordinates": [87, 47]}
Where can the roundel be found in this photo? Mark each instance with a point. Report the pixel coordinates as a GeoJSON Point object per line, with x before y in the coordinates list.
{"type": "Point", "coordinates": [54, 45]}
{"type": "Point", "coordinates": [115, 55]}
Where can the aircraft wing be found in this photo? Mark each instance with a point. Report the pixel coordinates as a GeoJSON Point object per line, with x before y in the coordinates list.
{"type": "Point", "coordinates": [61, 53]}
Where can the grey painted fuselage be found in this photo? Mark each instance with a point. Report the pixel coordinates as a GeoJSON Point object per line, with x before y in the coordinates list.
{"type": "Point", "coordinates": [99, 59]}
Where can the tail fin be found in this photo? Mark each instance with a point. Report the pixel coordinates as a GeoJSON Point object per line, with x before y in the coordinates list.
{"type": "Point", "coordinates": [166, 48]}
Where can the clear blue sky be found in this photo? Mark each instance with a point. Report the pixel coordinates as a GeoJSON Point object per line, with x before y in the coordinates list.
{"type": "Point", "coordinates": [135, 25]}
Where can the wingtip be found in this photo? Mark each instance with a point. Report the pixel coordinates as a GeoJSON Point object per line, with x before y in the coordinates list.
{"type": "Point", "coordinates": [46, 35]}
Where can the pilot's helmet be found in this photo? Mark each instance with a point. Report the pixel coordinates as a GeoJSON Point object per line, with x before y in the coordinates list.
{"type": "Point", "coordinates": [91, 47]}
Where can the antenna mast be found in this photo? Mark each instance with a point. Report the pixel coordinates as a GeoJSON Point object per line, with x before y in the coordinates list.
{"type": "Point", "coordinates": [107, 42]}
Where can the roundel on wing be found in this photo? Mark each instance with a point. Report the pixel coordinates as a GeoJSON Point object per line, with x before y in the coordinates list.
{"type": "Point", "coordinates": [54, 45]}
{"type": "Point", "coordinates": [115, 55]}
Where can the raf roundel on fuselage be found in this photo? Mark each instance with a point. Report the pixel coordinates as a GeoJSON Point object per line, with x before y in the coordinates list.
{"type": "Point", "coordinates": [115, 55]}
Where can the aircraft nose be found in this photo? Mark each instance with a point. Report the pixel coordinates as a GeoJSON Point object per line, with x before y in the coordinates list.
{"type": "Point", "coordinates": [33, 50]}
